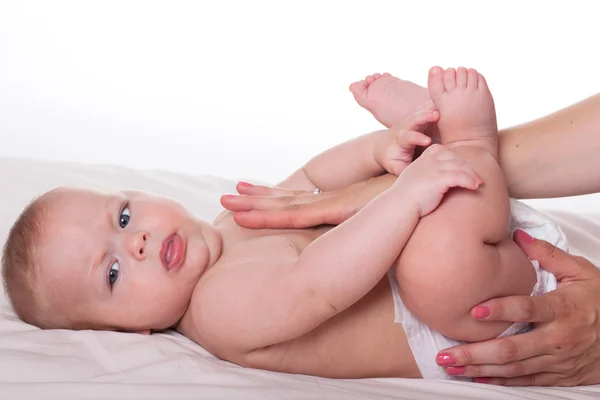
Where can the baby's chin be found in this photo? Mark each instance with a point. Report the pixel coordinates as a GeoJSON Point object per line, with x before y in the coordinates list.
{"type": "Point", "coordinates": [167, 322]}
{"type": "Point", "coordinates": [147, 328]}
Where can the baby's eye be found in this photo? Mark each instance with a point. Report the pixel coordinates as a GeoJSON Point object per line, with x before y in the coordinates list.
{"type": "Point", "coordinates": [113, 273]}
{"type": "Point", "coordinates": [124, 217]}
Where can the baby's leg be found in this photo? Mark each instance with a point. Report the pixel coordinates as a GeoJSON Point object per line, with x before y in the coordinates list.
{"type": "Point", "coordinates": [461, 255]}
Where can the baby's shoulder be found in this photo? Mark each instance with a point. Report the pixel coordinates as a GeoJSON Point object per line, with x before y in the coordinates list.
{"type": "Point", "coordinates": [227, 291]}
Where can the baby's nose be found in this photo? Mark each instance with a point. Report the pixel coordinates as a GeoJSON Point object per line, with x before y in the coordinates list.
{"type": "Point", "coordinates": [137, 244]}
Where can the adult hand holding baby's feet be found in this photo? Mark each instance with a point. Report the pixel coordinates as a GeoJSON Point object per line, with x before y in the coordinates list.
{"type": "Point", "coordinates": [429, 177]}
{"type": "Point", "coordinates": [395, 150]}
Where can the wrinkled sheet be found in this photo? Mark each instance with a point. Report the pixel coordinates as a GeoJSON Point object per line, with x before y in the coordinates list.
{"type": "Point", "coordinates": [62, 364]}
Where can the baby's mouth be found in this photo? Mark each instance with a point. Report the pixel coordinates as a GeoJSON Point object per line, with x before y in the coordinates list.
{"type": "Point", "coordinates": [172, 252]}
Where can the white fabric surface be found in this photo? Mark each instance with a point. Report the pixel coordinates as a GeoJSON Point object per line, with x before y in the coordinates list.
{"type": "Point", "coordinates": [58, 364]}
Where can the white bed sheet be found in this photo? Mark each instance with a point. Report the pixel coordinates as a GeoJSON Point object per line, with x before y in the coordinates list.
{"type": "Point", "coordinates": [97, 365]}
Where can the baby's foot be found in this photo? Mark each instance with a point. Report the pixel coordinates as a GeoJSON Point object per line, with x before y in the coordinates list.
{"type": "Point", "coordinates": [467, 112]}
{"type": "Point", "coordinates": [388, 98]}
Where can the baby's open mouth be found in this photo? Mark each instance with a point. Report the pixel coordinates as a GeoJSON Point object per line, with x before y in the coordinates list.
{"type": "Point", "coordinates": [172, 252]}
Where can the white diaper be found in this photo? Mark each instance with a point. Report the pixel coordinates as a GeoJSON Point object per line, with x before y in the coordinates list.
{"type": "Point", "coordinates": [426, 343]}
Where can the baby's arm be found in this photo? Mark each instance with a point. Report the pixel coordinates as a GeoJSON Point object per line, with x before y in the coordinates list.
{"type": "Point", "coordinates": [281, 300]}
{"type": "Point", "coordinates": [278, 301]}
{"type": "Point", "coordinates": [339, 166]}
{"type": "Point", "coordinates": [365, 157]}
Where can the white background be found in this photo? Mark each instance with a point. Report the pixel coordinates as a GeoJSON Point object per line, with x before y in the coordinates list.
{"type": "Point", "coordinates": [253, 89]}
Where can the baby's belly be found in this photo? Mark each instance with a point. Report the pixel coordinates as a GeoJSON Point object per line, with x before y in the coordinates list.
{"type": "Point", "coordinates": [361, 342]}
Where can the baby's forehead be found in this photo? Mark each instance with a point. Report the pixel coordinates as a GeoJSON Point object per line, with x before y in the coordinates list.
{"type": "Point", "coordinates": [66, 205]}
{"type": "Point", "coordinates": [74, 220]}
{"type": "Point", "coordinates": [77, 197]}
{"type": "Point", "coordinates": [80, 193]}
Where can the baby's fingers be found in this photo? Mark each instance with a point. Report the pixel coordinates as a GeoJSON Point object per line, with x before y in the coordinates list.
{"type": "Point", "coordinates": [420, 119]}
{"type": "Point", "coordinates": [459, 173]}
{"type": "Point", "coordinates": [460, 179]}
{"type": "Point", "coordinates": [408, 140]}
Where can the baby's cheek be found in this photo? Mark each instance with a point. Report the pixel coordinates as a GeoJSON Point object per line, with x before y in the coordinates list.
{"type": "Point", "coordinates": [141, 290]}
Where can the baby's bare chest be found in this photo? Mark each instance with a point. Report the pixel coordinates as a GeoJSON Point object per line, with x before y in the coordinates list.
{"type": "Point", "coordinates": [258, 245]}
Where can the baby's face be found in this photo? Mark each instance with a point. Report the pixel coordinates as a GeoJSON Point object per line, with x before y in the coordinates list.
{"type": "Point", "coordinates": [123, 260]}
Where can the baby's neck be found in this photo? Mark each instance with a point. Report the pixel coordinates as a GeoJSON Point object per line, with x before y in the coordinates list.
{"type": "Point", "coordinates": [214, 242]}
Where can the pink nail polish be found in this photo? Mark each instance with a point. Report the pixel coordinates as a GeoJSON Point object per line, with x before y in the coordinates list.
{"type": "Point", "coordinates": [481, 312]}
{"type": "Point", "coordinates": [482, 380]}
{"type": "Point", "coordinates": [445, 359]}
{"type": "Point", "coordinates": [524, 236]}
{"type": "Point", "coordinates": [455, 370]}
{"type": "Point", "coordinates": [245, 184]}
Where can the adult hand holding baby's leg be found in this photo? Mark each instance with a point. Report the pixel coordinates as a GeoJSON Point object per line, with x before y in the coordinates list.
{"type": "Point", "coordinates": [562, 350]}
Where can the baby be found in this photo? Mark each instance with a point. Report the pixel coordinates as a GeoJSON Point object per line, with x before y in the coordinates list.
{"type": "Point", "coordinates": [311, 301]}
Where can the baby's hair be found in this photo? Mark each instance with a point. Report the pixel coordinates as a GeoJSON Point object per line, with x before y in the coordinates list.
{"type": "Point", "coordinates": [19, 263]}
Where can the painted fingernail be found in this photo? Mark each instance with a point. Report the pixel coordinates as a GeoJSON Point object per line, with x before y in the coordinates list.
{"type": "Point", "coordinates": [455, 370]}
{"type": "Point", "coordinates": [245, 184]}
{"type": "Point", "coordinates": [524, 236]}
{"type": "Point", "coordinates": [228, 196]}
{"type": "Point", "coordinates": [481, 312]}
{"type": "Point", "coordinates": [482, 380]}
{"type": "Point", "coordinates": [445, 359]}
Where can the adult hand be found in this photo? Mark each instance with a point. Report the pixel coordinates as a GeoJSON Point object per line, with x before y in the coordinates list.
{"type": "Point", "coordinates": [562, 350]}
{"type": "Point", "coordinates": [265, 207]}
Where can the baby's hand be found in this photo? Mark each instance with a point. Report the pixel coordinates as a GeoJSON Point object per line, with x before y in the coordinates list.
{"type": "Point", "coordinates": [396, 150]}
{"type": "Point", "coordinates": [431, 175]}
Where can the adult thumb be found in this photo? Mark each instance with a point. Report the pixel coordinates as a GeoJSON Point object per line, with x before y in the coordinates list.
{"type": "Point", "coordinates": [551, 258]}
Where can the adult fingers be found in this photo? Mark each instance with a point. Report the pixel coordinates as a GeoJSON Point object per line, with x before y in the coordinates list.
{"type": "Point", "coordinates": [530, 366]}
{"type": "Point", "coordinates": [497, 351]}
{"type": "Point", "coordinates": [538, 309]}
{"type": "Point", "coordinates": [293, 216]}
{"type": "Point", "coordinates": [250, 189]}
{"type": "Point", "coordinates": [256, 202]}
{"type": "Point", "coordinates": [553, 259]}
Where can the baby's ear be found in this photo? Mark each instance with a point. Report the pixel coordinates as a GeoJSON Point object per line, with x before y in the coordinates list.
{"type": "Point", "coordinates": [144, 332]}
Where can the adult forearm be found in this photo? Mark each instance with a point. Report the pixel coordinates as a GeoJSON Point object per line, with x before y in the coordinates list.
{"type": "Point", "coordinates": [347, 262]}
{"type": "Point", "coordinates": [557, 155]}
